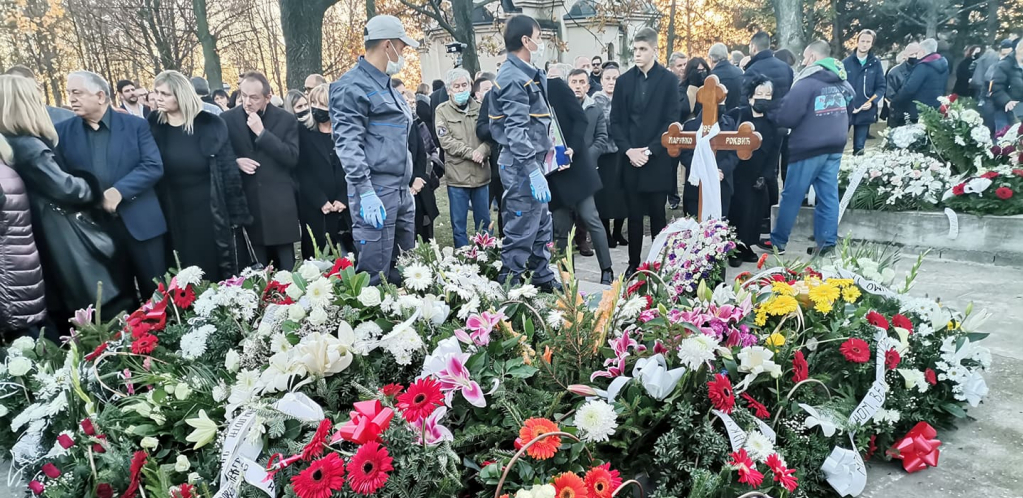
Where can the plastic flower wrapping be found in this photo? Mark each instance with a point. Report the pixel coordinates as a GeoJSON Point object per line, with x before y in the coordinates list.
{"type": "Point", "coordinates": [310, 383]}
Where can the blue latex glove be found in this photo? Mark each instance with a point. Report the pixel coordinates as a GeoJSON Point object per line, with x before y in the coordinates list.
{"type": "Point", "coordinates": [372, 210]}
{"type": "Point", "coordinates": [538, 185]}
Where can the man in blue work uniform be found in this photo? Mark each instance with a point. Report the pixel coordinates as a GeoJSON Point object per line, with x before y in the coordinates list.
{"type": "Point", "coordinates": [520, 120]}
{"type": "Point", "coordinates": [371, 124]}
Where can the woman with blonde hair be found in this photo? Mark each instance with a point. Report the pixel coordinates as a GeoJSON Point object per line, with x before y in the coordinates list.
{"type": "Point", "coordinates": [296, 103]}
{"type": "Point", "coordinates": [22, 300]}
{"type": "Point", "coordinates": [201, 190]}
{"type": "Point", "coordinates": [323, 192]}
{"type": "Point", "coordinates": [76, 251]}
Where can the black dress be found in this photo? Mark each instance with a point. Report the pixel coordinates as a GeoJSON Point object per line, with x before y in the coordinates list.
{"type": "Point", "coordinates": [749, 203]}
{"type": "Point", "coordinates": [321, 179]}
{"type": "Point", "coordinates": [185, 192]}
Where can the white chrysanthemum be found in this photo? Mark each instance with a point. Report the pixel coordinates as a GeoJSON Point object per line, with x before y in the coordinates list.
{"type": "Point", "coordinates": [696, 350]}
{"type": "Point", "coordinates": [528, 291]}
{"type": "Point", "coordinates": [193, 344]}
{"type": "Point", "coordinates": [758, 446]}
{"type": "Point", "coordinates": [369, 296]}
{"type": "Point", "coordinates": [632, 307]}
{"type": "Point", "coordinates": [279, 343]}
{"type": "Point", "coordinates": [417, 277]}
{"type": "Point", "coordinates": [220, 392]}
{"type": "Point", "coordinates": [206, 303]}
{"type": "Point", "coordinates": [190, 276]}
{"type": "Point", "coordinates": [555, 319]}
{"type": "Point", "coordinates": [320, 292]}
{"type": "Point", "coordinates": [596, 421]}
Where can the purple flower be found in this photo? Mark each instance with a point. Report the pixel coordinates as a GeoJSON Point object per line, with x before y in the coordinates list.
{"type": "Point", "coordinates": [233, 282]}
{"type": "Point", "coordinates": [82, 318]}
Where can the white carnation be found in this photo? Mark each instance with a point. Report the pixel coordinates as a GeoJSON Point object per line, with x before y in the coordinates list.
{"type": "Point", "coordinates": [189, 276]}
{"type": "Point", "coordinates": [596, 421]}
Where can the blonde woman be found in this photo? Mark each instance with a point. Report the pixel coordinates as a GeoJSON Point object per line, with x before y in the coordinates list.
{"type": "Point", "coordinates": [201, 190]}
{"type": "Point", "coordinates": [76, 251]}
{"type": "Point", "coordinates": [22, 302]}
{"type": "Point", "coordinates": [323, 193]}
{"type": "Point", "coordinates": [296, 103]}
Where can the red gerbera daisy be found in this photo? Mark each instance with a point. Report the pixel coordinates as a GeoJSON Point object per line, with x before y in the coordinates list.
{"type": "Point", "coordinates": [145, 344]}
{"type": "Point", "coordinates": [892, 359]}
{"type": "Point", "coordinates": [1004, 193]}
{"type": "Point", "coordinates": [391, 389]}
{"type": "Point", "coordinates": [759, 410]}
{"type": "Point", "coordinates": [367, 470]}
{"type": "Point", "coordinates": [930, 377]}
{"type": "Point", "coordinates": [774, 462]}
{"type": "Point", "coordinates": [721, 394]}
{"type": "Point", "coordinates": [855, 350]}
{"type": "Point", "coordinates": [990, 175]}
{"type": "Point", "coordinates": [900, 321]}
{"type": "Point", "coordinates": [570, 485]}
{"type": "Point", "coordinates": [800, 368]}
{"type": "Point", "coordinates": [601, 481]}
{"type": "Point", "coordinates": [421, 399]}
{"type": "Point", "coordinates": [321, 479]}
{"type": "Point", "coordinates": [184, 491]}
{"type": "Point", "coordinates": [183, 298]}
{"type": "Point", "coordinates": [748, 473]}
{"type": "Point", "coordinates": [959, 189]}
{"type": "Point", "coordinates": [878, 320]}
{"type": "Point", "coordinates": [781, 473]}
{"type": "Point", "coordinates": [544, 448]}
{"type": "Point", "coordinates": [316, 446]}
{"type": "Point", "coordinates": [340, 264]}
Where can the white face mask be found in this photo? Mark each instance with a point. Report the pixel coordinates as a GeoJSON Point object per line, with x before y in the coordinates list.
{"type": "Point", "coordinates": [394, 67]}
{"type": "Point", "coordinates": [536, 56]}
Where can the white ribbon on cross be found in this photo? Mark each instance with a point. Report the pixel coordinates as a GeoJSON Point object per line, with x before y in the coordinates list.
{"type": "Point", "coordinates": [704, 172]}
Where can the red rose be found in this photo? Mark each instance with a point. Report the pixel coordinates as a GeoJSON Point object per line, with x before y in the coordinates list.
{"type": "Point", "coordinates": [800, 369]}
{"type": "Point", "coordinates": [902, 322]}
{"type": "Point", "coordinates": [878, 320]}
{"type": "Point", "coordinates": [36, 487]}
{"type": "Point", "coordinates": [892, 359]}
{"type": "Point", "coordinates": [959, 189]}
{"type": "Point", "coordinates": [990, 175]}
{"type": "Point", "coordinates": [98, 447]}
{"type": "Point", "coordinates": [1018, 172]}
{"type": "Point", "coordinates": [65, 441]}
{"type": "Point", "coordinates": [930, 377]}
{"type": "Point", "coordinates": [51, 471]}
{"type": "Point", "coordinates": [952, 98]}
{"type": "Point", "coordinates": [391, 389]}
{"type": "Point", "coordinates": [88, 428]}
{"type": "Point", "coordinates": [1004, 193]}
{"type": "Point", "coordinates": [145, 344]}
{"type": "Point", "coordinates": [104, 491]}
{"type": "Point", "coordinates": [856, 350]}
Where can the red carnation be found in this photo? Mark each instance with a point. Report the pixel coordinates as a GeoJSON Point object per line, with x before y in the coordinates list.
{"type": "Point", "coordinates": [51, 471]}
{"type": "Point", "coordinates": [145, 344]}
{"type": "Point", "coordinates": [88, 428]}
{"type": "Point", "coordinates": [900, 321]}
{"type": "Point", "coordinates": [855, 350]}
{"type": "Point", "coordinates": [800, 368]}
{"type": "Point", "coordinates": [104, 491]}
{"type": "Point", "coordinates": [65, 441]}
{"type": "Point", "coordinates": [878, 320]}
{"type": "Point", "coordinates": [96, 352]}
{"type": "Point", "coordinates": [990, 175]}
{"type": "Point", "coordinates": [759, 410]}
{"type": "Point", "coordinates": [1004, 193]}
{"type": "Point", "coordinates": [720, 393]}
{"type": "Point", "coordinates": [391, 389]}
{"type": "Point", "coordinates": [959, 189]}
{"type": "Point", "coordinates": [892, 359]}
{"type": "Point", "coordinates": [930, 377]}
{"type": "Point", "coordinates": [185, 491]}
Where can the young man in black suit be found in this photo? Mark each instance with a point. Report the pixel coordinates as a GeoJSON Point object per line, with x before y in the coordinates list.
{"type": "Point", "coordinates": [645, 103]}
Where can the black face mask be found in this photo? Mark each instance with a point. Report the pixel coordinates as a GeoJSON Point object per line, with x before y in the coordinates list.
{"type": "Point", "coordinates": [912, 61]}
{"type": "Point", "coordinates": [302, 115]}
{"type": "Point", "coordinates": [761, 105]}
{"type": "Point", "coordinates": [320, 115]}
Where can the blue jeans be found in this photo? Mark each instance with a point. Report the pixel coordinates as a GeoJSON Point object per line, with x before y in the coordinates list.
{"type": "Point", "coordinates": [458, 207]}
{"type": "Point", "coordinates": [822, 173]}
{"type": "Point", "coordinates": [860, 133]}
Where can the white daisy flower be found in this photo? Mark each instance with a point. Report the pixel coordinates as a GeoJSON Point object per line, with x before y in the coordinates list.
{"type": "Point", "coordinates": [320, 292]}
{"type": "Point", "coordinates": [417, 277]}
{"type": "Point", "coordinates": [758, 446]}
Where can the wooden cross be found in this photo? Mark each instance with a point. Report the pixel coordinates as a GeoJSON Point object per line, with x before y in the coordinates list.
{"type": "Point", "coordinates": [743, 142]}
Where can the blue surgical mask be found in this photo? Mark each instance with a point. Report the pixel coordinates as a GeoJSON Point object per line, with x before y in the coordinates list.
{"type": "Point", "coordinates": [461, 97]}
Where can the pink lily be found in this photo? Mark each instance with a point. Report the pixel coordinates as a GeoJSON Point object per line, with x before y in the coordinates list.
{"type": "Point", "coordinates": [480, 326]}
{"type": "Point", "coordinates": [431, 431]}
{"type": "Point", "coordinates": [485, 240]}
{"type": "Point", "coordinates": [82, 317]}
{"type": "Point", "coordinates": [455, 377]}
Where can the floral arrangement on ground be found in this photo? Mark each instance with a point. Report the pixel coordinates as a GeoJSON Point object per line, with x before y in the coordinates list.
{"type": "Point", "coordinates": [313, 384]}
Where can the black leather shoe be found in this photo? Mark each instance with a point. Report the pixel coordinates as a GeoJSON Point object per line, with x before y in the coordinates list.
{"type": "Point", "coordinates": [586, 249]}
{"type": "Point", "coordinates": [549, 287]}
{"type": "Point", "coordinates": [612, 243]}
{"type": "Point", "coordinates": [607, 276]}
{"type": "Point", "coordinates": [630, 272]}
{"type": "Point", "coordinates": [621, 240]}
{"type": "Point", "coordinates": [735, 260]}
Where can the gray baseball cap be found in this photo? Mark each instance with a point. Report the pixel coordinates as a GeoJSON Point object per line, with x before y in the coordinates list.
{"type": "Point", "coordinates": [387, 28]}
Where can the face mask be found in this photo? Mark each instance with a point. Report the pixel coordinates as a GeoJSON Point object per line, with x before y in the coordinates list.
{"type": "Point", "coordinates": [320, 115]}
{"type": "Point", "coordinates": [394, 67]}
{"type": "Point", "coordinates": [302, 115]}
{"type": "Point", "coordinates": [461, 97]}
{"type": "Point", "coordinates": [761, 105]}
{"type": "Point", "coordinates": [536, 56]}
{"type": "Point", "coordinates": [912, 60]}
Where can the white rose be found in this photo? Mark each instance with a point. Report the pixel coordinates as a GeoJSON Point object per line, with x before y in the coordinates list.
{"type": "Point", "coordinates": [149, 443]}
{"type": "Point", "coordinates": [283, 277]}
{"type": "Point", "coordinates": [370, 296]}
{"type": "Point", "coordinates": [181, 464]}
{"type": "Point", "coordinates": [293, 292]}
{"type": "Point", "coordinates": [23, 344]}
{"type": "Point", "coordinates": [309, 271]}
{"type": "Point", "coordinates": [232, 361]}
{"type": "Point", "coordinates": [318, 316]}
{"type": "Point", "coordinates": [182, 391]}
{"type": "Point", "coordinates": [296, 312]}
{"type": "Point", "coordinates": [19, 366]}
{"type": "Point", "coordinates": [522, 493]}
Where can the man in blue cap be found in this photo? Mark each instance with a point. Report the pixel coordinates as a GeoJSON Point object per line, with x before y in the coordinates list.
{"type": "Point", "coordinates": [520, 121]}
{"type": "Point", "coordinates": [371, 125]}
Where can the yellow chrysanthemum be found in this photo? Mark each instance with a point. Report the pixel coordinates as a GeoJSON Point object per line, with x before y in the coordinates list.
{"type": "Point", "coordinates": [825, 292]}
{"type": "Point", "coordinates": [775, 340]}
{"type": "Point", "coordinates": [850, 294]}
{"type": "Point", "coordinates": [841, 282]}
{"type": "Point", "coordinates": [823, 306]}
{"type": "Point", "coordinates": [782, 305]}
{"type": "Point", "coordinates": [761, 316]}
{"type": "Point", "coordinates": [783, 288]}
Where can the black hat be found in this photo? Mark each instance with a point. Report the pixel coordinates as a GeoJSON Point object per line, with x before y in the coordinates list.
{"type": "Point", "coordinates": [1007, 43]}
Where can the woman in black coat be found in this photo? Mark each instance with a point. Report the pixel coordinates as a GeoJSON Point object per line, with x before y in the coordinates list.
{"type": "Point", "coordinates": [427, 168]}
{"type": "Point", "coordinates": [201, 189]}
{"type": "Point", "coordinates": [76, 252]}
{"type": "Point", "coordinates": [610, 199]}
{"type": "Point", "coordinates": [322, 190]}
{"type": "Point", "coordinates": [964, 71]}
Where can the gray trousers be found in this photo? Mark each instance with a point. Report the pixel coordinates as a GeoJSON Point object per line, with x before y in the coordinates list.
{"type": "Point", "coordinates": [528, 228]}
{"type": "Point", "coordinates": [379, 248]}
{"type": "Point", "coordinates": [587, 210]}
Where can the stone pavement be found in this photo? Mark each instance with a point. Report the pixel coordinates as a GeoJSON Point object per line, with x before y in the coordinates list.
{"type": "Point", "coordinates": [984, 457]}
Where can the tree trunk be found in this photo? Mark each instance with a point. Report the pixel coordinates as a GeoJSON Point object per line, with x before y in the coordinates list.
{"type": "Point", "coordinates": [302, 24]}
{"type": "Point", "coordinates": [931, 19]}
{"type": "Point", "coordinates": [671, 31]}
{"type": "Point", "coordinates": [838, 27]}
{"type": "Point", "coordinates": [371, 9]}
{"type": "Point", "coordinates": [789, 14]}
{"type": "Point", "coordinates": [992, 21]}
{"type": "Point", "coordinates": [464, 33]}
{"type": "Point", "coordinates": [210, 56]}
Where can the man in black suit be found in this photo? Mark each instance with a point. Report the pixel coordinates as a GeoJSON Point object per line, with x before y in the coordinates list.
{"type": "Point", "coordinates": [265, 139]}
{"type": "Point", "coordinates": [729, 75]}
{"type": "Point", "coordinates": [645, 103]}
